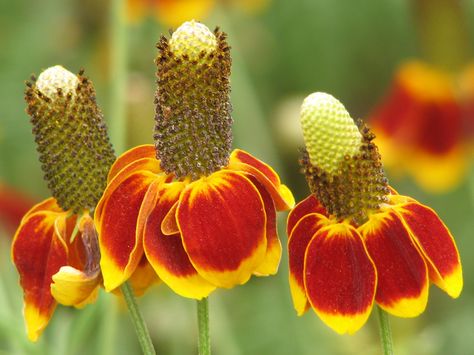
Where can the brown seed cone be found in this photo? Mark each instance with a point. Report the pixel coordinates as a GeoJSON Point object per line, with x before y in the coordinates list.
{"type": "Point", "coordinates": [193, 123]}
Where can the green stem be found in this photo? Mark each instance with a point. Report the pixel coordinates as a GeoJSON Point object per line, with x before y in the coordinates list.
{"type": "Point", "coordinates": [385, 332]}
{"type": "Point", "coordinates": [118, 75]}
{"type": "Point", "coordinates": [204, 343]}
{"type": "Point", "coordinates": [137, 319]}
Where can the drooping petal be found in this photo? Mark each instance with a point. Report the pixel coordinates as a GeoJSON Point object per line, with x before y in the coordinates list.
{"type": "Point", "coordinates": [222, 220]}
{"type": "Point", "coordinates": [73, 287]}
{"type": "Point", "coordinates": [437, 245]}
{"type": "Point", "coordinates": [402, 288]}
{"type": "Point", "coordinates": [169, 226]}
{"type": "Point", "coordinates": [340, 278]}
{"type": "Point", "coordinates": [166, 252]}
{"type": "Point", "coordinates": [270, 263]}
{"type": "Point", "coordinates": [242, 161]}
{"type": "Point", "coordinates": [298, 241]}
{"type": "Point", "coordinates": [38, 253]}
{"type": "Point", "coordinates": [50, 204]}
{"type": "Point", "coordinates": [120, 242]}
{"type": "Point", "coordinates": [130, 156]}
{"type": "Point", "coordinates": [309, 205]}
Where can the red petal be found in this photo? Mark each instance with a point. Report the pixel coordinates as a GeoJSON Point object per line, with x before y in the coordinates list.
{"type": "Point", "coordinates": [169, 226]}
{"type": "Point", "coordinates": [402, 274]}
{"type": "Point", "coordinates": [136, 153]}
{"type": "Point", "coordinates": [38, 253]}
{"type": "Point", "coordinates": [298, 242]}
{"type": "Point", "coordinates": [243, 161]}
{"type": "Point", "coordinates": [437, 246]}
{"type": "Point", "coordinates": [119, 238]}
{"type": "Point", "coordinates": [166, 253]}
{"type": "Point", "coordinates": [271, 262]}
{"type": "Point", "coordinates": [340, 278]}
{"type": "Point", "coordinates": [309, 205]}
{"type": "Point", "coordinates": [222, 222]}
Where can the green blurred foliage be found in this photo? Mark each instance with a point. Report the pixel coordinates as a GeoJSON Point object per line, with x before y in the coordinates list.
{"type": "Point", "coordinates": [292, 48]}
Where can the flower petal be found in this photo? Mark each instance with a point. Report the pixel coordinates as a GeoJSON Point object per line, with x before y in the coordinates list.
{"type": "Point", "coordinates": [169, 226]}
{"type": "Point", "coordinates": [402, 288]}
{"type": "Point", "coordinates": [131, 155]}
{"type": "Point", "coordinates": [120, 241]}
{"type": "Point", "coordinates": [242, 161]}
{"type": "Point", "coordinates": [166, 253]}
{"type": "Point", "coordinates": [38, 253]}
{"type": "Point", "coordinates": [73, 287]}
{"type": "Point", "coordinates": [340, 278]}
{"type": "Point", "coordinates": [270, 263]}
{"type": "Point", "coordinates": [437, 245]}
{"type": "Point", "coordinates": [309, 205]}
{"type": "Point", "coordinates": [222, 223]}
{"type": "Point", "coordinates": [298, 242]}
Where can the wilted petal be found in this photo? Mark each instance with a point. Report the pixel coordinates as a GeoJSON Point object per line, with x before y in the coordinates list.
{"type": "Point", "coordinates": [38, 253]}
{"type": "Point", "coordinates": [72, 287]}
{"type": "Point", "coordinates": [437, 246]}
{"type": "Point", "coordinates": [340, 278]}
{"type": "Point", "coordinates": [222, 220]}
{"type": "Point", "coordinates": [402, 288]}
{"type": "Point", "coordinates": [242, 161]}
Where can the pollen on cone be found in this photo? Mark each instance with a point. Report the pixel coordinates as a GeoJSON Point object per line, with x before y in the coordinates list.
{"type": "Point", "coordinates": [56, 78]}
{"type": "Point", "coordinates": [329, 131]}
{"type": "Point", "coordinates": [192, 38]}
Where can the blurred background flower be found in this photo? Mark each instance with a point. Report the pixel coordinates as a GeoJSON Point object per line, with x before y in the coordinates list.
{"type": "Point", "coordinates": [284, 51]}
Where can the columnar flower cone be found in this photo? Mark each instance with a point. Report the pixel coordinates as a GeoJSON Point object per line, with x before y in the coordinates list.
{"type": "Point", "coordinates": [55, 248]}
{"type": "Point", "coordinates": [355, 241]}
{"type": "Point", "coordinates": [203, 216]}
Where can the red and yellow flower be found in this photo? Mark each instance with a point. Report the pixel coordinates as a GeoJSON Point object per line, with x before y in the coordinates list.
{"type": "Point", "coordinates": [423, 126]}
{"type": "Point", "coordinates": [355, 241]}
{"type": "Point", "coordinates": [55, 248]}
{"type": "Point", "coordinates": [203, 217]}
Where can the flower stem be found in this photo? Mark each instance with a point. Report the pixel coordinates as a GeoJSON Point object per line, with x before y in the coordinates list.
{"type": "Point", "coordinates": [118, 75]}
{"type": "Point", "coordinates": [137, 319]}
{"type": "Point", "coordinates": [204, 343]}
{"type": "Point", "coordinates": [385, 332]}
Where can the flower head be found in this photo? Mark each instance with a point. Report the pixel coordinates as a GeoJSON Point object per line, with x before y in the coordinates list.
{"type": "Point", "coordinates": [55, 248]}
{"type": "Point", "coordinates": [423, 128]}
{"type": "Point", "coordinates": [355, 241]}
{"type": "Point", "coordinates": [203, 216]}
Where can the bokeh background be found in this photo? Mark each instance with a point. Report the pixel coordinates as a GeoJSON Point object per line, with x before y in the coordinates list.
{"type": "Point", "coordinates": [282, 51]}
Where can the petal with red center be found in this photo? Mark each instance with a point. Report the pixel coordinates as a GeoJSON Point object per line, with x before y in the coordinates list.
{"type": "Point", "coordinates": [131, 155]}
{"type": "Point", "coordinates": [309, 205]}
{"type": "Point", "coordinates": [243, 161]}
{"type": "Point", "coordinates": [402, 288]}
{"type": "Point", "coordinates": [340, 278]}
{"type": "Point", "coordinates": [222, 220]}
{"type": "Point", "coordinates": [437, 246]}
{"type": "Point", "coordinates": [38, 253]}
{"type": "Point", "coordinates": [298, 241]}
{"type": "Point", "coordinates": [119, 240]}
{"type": "Point", "coordinates": [73, 287]}
{"type": "Point", "coordinates": [270, 264]}
{"type": "Point", "coordinates": [166, 253]}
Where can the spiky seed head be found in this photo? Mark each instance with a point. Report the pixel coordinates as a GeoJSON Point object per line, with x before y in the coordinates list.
{"type": "Point", "coordinates": [341, 163]}
{"type": "Point", "coordinates": [193, 123]}
{"type": "Point", "coordinates": [57, 78]}
{"type": "Point", "coordinates": [329, 132]}
{"type": "Point", "coordinates": [192, 38]}
{"type": "Point", "coordinates": [71, 137]}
